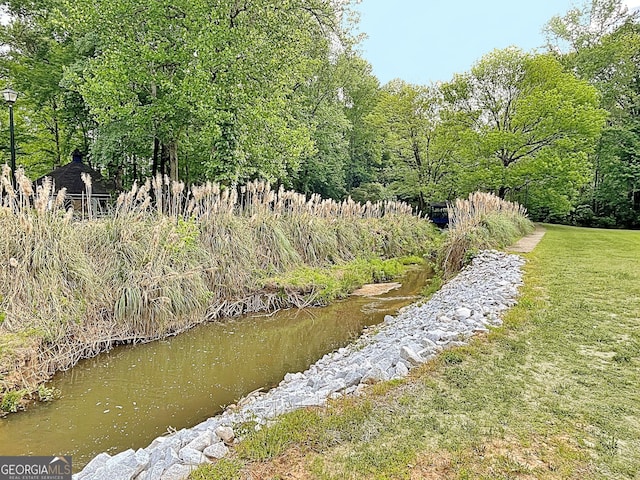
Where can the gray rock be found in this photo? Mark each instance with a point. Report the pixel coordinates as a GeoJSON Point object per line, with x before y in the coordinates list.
{"type": "Point", "coordinates": [293, 376]}
{"type": "Point", "coordinates": [157, 442]}
{"type": "Point", "coordinates": [225, 434]}
{"type": "Point", "coordinates": [382, 361]}
{"type": "Point", "coordinates": [191, 456]}
{"type": "Point", "coordinates": [401, 370]}
{"type": "Point", "coordinates": [201, 442]}
{"type": "Point", "coordinates": [410, 356]}
{"type": "Point", "coordinates": [161, 460]}
{"type": "Point", "coordinates": [337, 385]}
{"type": "Point", "coordinates": [97, 462]}
{"type": "Point", "coordinates": [114, 471]}
{"type": "Point", "coordinates": [120, 457]}
{"type": "Point", "coordinates": [462, 313]}
{"type": "Point", "coordinates": [428, 343]}
{"type": "Point", "coordinates": [353, 377]}
{"type": "Point", "coordinates": [137, 462]}
{"type": "Point", "coordinates": [177, 472]}
{"type": "Point", "coordinates": [217, 450]}
{"type": "Point", "coordinates": [374, 375]}
{"type": "Point", "coordinates": [436, 335]}
{"type": "Point", "coordinates": [142, 476]}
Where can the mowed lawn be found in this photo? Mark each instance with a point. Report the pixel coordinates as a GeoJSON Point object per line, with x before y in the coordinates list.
{"type": "Point", "coordinates": [554, 393]}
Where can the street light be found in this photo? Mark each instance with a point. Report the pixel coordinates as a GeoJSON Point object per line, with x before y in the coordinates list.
{"type": "Point", "coordinates": [10, 96]}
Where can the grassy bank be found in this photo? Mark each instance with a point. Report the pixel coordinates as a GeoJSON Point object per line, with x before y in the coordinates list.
{"type": "Point", "coordinates": [70, 289]}
{"type": "Point", "coordinates": [480, 222]}
{"type": "Point", "coordinates": [553, 394]}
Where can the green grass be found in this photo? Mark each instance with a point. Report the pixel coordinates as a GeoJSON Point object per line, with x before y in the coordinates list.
{"type": "Point", "coordinates": [553, 394]}
{"type": "Point", "coordinates": [330, 283]}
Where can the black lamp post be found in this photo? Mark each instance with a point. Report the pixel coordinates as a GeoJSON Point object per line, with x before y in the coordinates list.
{"type": "Point", "coordinates": [10, 96]}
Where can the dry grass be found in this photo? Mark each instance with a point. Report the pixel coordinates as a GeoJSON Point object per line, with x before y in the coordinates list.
{"type": "Point", "coordinates": [167, 257]}
{"type": "Point", "coordinates": [482, 221]}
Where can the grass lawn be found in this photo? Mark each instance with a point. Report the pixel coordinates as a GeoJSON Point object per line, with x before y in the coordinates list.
{"type": "Point", "coordinates": [553, 394]}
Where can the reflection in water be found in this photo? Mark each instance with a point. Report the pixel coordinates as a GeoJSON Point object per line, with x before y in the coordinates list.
{"type": "Point", "coordinates": [127, 397]}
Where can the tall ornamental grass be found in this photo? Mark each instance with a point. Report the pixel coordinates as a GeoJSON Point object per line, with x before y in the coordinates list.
{"type": "Point", "coordinates": [480, 222]}
{"type": "Point", "coordinates": [166, 258]}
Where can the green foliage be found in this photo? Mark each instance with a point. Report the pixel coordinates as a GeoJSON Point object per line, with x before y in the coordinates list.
{"type": "Point", "coordinates": [271, 441]}
{"type": "Point", "coordinates": [533, 134]}
{"type": "Point", "coordinates": [11, 401]}
{"type": "Point", "coordinates": [46, 394]}
{"type": "Point", "coordinates": [433, 285]}
{"type": "Point", "coordinates": [51, 120]}
{"type": "Point", "coordinates": [584, 26]}
{"type": "Point", "coordinates": [222, 74]}
{"type": "Point", "coordinates": [223, 469]}
{"type": "Point", "coordinates": [370, 192]}
{"type": "Point", "coordinates": [418, 143]}
{"type": "Point", "coordinates": [198, 90]}
{"type": "Point", "coordinates": [451, 357]}
{"type": "Point", "coordinates": [335, 104]}
{"type": "Point", "coordinates": [324, 285]}
{"type": "Point", "coordinates": [610, 63]}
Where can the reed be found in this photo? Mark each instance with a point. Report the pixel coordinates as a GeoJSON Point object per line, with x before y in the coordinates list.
{"type": "Point", "coordinates": [164, 259]}
{"type": "Point", "coordinates": [479, 222]}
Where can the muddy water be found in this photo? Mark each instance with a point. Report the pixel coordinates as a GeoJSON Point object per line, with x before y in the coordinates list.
{"type": "Point", "coordinates": [127, 397]}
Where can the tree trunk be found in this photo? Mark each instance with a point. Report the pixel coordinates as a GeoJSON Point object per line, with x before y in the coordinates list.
{"type": "Point", "coordinates": [56, 135]}
{"type": "Point", "coordinates": [422, 204]}
{"type": "Point", "coordinates": [57, 140]}
{"type": "Point", "coordinates": [173, 160]}
{"type": "Point", "coordinates": [164, 159]}
{"type": "Point", "coordinates": [156, 152]}
{"type": "Point", "coordinates": [134, 165]}
{"type": "Point", "coordinates": [118, 175]}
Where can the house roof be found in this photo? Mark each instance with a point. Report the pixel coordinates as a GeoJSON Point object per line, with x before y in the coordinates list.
{"type": "Point", "coordinates": [70, 176]}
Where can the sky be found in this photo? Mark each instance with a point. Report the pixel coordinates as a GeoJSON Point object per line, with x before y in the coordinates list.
{"type": "Point", "coordinates": [424, 41]}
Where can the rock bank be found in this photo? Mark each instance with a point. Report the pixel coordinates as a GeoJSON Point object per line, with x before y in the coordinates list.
{"type": "Point", "coordinates": [470, 303]}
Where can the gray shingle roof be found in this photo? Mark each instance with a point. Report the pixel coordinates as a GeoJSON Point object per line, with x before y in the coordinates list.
{"type": "Point", "coordinates": [69, 176]}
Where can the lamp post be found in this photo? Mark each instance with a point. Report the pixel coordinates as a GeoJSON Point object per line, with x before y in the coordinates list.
{"type": "Point", "coordinates": [10, 96]}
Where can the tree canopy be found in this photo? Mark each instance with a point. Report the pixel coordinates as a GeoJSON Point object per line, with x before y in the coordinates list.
{"type": "Point", "coordinates": [234, 90]}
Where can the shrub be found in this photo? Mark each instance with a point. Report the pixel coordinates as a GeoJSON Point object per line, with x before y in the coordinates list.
{"type": "Point", "coordinates": [482, 221]}
{"type": "Point", "coordinates": [11, 401]}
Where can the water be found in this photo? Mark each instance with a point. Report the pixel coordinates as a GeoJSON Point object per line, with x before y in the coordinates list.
{"type": "Point", "coordinates": [126, 397]}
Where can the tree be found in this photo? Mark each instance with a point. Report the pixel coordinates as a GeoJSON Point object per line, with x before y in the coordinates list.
{"type": "Point", "coordinates": [54, 119]}
{"type": "Point", "coordinates": [419, 143]}
{"type": "Point", "coordinates": [335, 104]}
{"type": "Point", "coordinates": [613, 67]}
{"type": "Point", "coordinates": [527, 121]}
{"type": "Point", "coordinates": [361, 91]}
{"type": "Point", "coordinates": [584, 27]}
{"type": "Point", "coordinates": [224, 72]}
{"type": "Point", "coordinates": [610, 61]}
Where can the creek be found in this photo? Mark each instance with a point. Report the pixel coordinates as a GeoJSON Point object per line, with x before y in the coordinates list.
{"type": "Point", "coordinates": [130, 395]}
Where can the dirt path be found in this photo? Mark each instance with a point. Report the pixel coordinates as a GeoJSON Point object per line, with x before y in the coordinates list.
{"type": "Point", "coordinates": [528, 243]}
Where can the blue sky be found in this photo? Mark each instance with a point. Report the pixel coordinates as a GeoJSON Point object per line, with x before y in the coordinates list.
{"type": "Point", "coordinates": [424, 41]}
